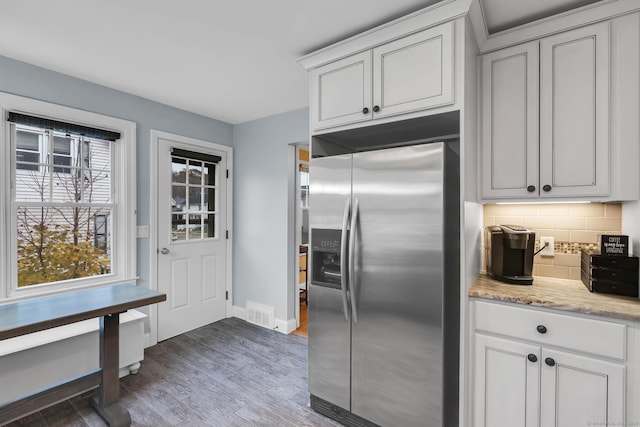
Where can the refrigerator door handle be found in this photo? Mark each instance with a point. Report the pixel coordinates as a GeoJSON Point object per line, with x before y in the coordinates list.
{"type": "Point", "coordinates": [343, 253]}
{"type": "Point", "coordinates": [352, 247]}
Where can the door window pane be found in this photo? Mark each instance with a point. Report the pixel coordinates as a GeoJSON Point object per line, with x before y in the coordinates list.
{"type": "Point", "coordinates": [195, 172]}
{"type": "Point", "coordinates": [209, 226]}
{"type": "Point", "coordinates": [194, 228]}
{"type": "Point", "coordinates": [178, 170]}
{"type": "Point", "coordinates": [209, 174]}
{"type": "Point", "coordinates": [178, 228]}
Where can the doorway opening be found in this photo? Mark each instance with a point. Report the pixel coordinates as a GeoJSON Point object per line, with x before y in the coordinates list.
{"type": "Point", "coordinates": [302, 239]}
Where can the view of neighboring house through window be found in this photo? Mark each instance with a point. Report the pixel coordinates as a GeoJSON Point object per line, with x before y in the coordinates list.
{"type": "Point", "coordinates": [61, 205]}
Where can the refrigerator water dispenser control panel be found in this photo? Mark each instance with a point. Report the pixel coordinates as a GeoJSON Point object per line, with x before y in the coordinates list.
{"type": "Point", "coordinates": [325, 256]}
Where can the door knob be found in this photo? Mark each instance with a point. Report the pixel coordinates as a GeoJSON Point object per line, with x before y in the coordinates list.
{"type": "Point", "coordinates": [376, 108]}
{"type": "Point", "coordinates": [547, 188]}
{"type": "Point", "coordinates": [365, 110]}
{"type": "Point", "coordinates": [542, 329]}
{"type": "Point", "coordinates": [532, 358]}
{"type": "Point", "coordinates": [164, 251]}
{"type": "Point", "coordinates": [531, 188]}
{"type": "Point", "coordinates": [549, 361]}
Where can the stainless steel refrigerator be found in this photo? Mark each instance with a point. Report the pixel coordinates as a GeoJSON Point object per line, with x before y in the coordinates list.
{"type": "Point", "coordinates": [384, 291]}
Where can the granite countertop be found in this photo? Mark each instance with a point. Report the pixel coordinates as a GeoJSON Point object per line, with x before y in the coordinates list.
{"type": "Point", "coordinates": [560, 294]}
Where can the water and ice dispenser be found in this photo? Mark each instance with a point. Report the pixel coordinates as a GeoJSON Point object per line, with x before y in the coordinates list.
{"type": "Point", "coordinates": [325, 248]}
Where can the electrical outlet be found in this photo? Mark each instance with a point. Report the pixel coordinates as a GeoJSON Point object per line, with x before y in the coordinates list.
{"type": "Point", "coordinates": [549, 250]}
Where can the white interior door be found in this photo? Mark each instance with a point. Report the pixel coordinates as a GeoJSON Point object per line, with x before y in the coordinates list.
{"type": "Point", "coordinates": [192, 236]}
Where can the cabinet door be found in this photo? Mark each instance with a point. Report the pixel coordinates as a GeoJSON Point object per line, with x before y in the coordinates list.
{"type": "Point", "coordinates": [510, 123]}
{"type": "Point", "coordinates": [414, 73]}
{"type": "Point", "coordinates": [574, 113]}
{"type": "Point", "coordinates": [506, 383]}
{"type": "Point", "coordinates": [580, 391]}
{"type": "Point", "coordinates": [340, 91]}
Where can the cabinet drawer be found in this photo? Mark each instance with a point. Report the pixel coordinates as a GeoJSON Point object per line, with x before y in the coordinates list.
{"type": "Point", "coordinates": [598, 337]}
{"type": "Point", "coordinates": [615, 275]}
{"type": "Point", "coordinates": [616, 263]}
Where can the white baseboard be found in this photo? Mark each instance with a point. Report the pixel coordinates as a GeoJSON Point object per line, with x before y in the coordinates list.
{"type": "Point", "coordinates": [147, 340]}
{"type": "Point", "coordinates": [285, 326]}
{"type": "Point", "coordinates": [239, 312]}
{"type": "Point", "coordinates": [282, 326]}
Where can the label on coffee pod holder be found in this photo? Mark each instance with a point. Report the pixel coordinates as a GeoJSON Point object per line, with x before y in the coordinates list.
{"type": "Point", "coordinates": [614, 245]}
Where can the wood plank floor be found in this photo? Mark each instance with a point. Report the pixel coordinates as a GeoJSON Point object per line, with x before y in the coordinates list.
{"type": "Point", "coordinates": [303, 330]}
{"type": "Point", "coordinates": [229, 373]}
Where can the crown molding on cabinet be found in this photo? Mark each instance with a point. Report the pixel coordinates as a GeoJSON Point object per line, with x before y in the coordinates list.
{"type": "Point", "coordinates": [444, 11]}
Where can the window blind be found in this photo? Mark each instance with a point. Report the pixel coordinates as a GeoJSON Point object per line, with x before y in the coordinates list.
{"type": "Point", "coordinates": [58, 126]}
{"type": "Point", "coordinates": [193, 155]}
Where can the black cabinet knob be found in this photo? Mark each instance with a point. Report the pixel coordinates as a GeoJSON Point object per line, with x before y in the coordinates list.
{"type": "Point", "coordinates": [376, 108]}
{"type": "Point", "coordinates": [547, 188]}
{"type": "Point", "coordinates": [531, 188]}
{"type": "Point", "coordinates": [365, 110]}
{"type": "Point", "coordinates": [542, 329]}
{"type": "Point", "coordinates": [532, 358]}
{"type": "Point", "coordinates": [549, 361]}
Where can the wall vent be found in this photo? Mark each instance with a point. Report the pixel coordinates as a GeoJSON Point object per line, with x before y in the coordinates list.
{"type": "Point", "coordinates": [261, 315]}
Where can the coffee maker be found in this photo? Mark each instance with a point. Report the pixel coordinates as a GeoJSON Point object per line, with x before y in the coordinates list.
{"type": "Point", "coordinates": [509, 253]}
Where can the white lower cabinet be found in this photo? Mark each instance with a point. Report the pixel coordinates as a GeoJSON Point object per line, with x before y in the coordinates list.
{"type": "Point", "coordinates": [580, 391]}
{"type": "Point", "coordinates": [524, 380]}
{"type": "Point", "coordinates": [507, 386]}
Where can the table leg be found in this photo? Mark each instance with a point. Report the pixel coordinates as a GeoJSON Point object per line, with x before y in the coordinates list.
{"type": "Point", "coordinates": [106, 402]}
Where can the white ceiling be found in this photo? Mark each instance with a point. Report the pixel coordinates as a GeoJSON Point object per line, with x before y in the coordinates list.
{"type": "Point", "coordinates": [504, 14]}
{"type": "Point", "coordinates": [233, 60]}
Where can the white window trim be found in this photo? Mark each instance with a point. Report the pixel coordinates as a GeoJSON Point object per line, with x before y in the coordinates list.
{"type": "Point", "coordinates": [124, 214]}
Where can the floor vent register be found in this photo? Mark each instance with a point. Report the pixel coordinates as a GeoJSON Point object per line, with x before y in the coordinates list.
{"type": "Point", "coordinates": [261, 315]}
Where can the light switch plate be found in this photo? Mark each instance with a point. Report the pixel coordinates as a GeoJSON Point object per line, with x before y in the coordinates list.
{"type": "Point", "coordinates": [142, 231]}
{"type": "Point", "coordinates": [549, 250]}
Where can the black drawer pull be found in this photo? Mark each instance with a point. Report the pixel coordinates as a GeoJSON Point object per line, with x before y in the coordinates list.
{"type": "Point", "coordinates": [542, 329]}
{"type": "Point", "coordinates": [547, 188]}
{"type": "Point", "coordinates": [532, 358]}
{"type": "Point", "coordinates": [365, 110]}
{"type": "Point", "coordinates": [549, 361]}
{"type": "Point", "coordinates": [531, 188]}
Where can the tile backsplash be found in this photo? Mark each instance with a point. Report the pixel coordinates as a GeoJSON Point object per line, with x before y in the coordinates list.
{"type": "Point", "coordinates": [573, 226]}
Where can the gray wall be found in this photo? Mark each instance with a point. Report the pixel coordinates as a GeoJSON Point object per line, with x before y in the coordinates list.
{"type": "Point", "coordinates": [263, 218]}
{"type": "Point", "coordinates": [30, 81]}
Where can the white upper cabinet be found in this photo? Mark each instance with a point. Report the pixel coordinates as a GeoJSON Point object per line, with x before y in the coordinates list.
{"type": "Point", "coordinates": [510, 115]}
{"type": "Point", "coordinates": [574, 113]}
{"type": "Point", "coordinates": [546, 117]}
{"type": "Point", "coordinates": [342, 91]}
{"type": "Point", "coordinates": [414, 73]}
{"type": "Point", "coordinates": [410, 74]}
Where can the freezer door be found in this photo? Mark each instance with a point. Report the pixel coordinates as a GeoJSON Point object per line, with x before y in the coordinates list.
{"type": "Point", "coordinates": [397, 340]}
{"type": "Point", "coordinates": [329, 325]}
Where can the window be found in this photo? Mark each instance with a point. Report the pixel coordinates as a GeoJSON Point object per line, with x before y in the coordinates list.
{"type": "Point", "coordinates": [70, 194]}
{"type": "Point", "coordinates": [194, 195]}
